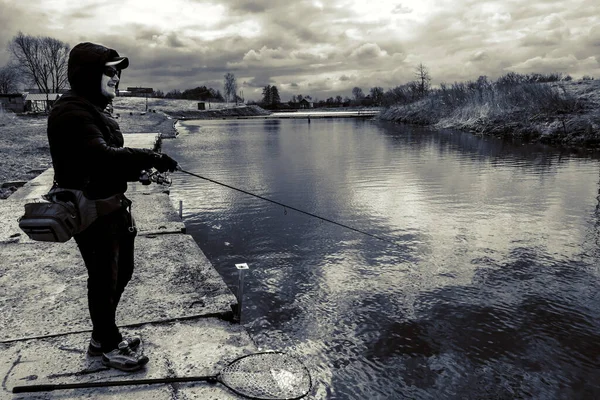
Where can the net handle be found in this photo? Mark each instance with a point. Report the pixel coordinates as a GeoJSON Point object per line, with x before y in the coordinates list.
{"type": "Point", "coordinates": [211, 379]}
{"type": "Point", "coordinates": [130, 382]}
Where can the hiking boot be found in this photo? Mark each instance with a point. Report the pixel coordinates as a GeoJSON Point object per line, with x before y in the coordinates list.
{"type": "Point", "coordinates": [124, 359]}
{"type": "Point", "coordinates": [95, 347]}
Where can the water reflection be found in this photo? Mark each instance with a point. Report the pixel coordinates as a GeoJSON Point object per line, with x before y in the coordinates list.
{"type": "Point", "coordinates": [490, 290]}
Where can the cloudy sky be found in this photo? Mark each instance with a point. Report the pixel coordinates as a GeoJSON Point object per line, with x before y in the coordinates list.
{"type": "Point", "coordinates": [319, 48]}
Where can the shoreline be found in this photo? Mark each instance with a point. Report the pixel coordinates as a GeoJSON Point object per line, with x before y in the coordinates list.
{"type": "Point", "coordinates": [575, 128]}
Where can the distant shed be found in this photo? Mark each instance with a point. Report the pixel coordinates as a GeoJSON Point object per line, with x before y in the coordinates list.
{"type": "Point", "coordinates": [14, 102]}
{"type": "Point", "coordinates": [40, 102]}
{"type": "Point", "coordinates": [306, 104]}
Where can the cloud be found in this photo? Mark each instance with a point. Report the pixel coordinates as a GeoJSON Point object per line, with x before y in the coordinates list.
{"type": "Point", "coordinates": [253, 7]}
{"type": "Point", "coordinates": [479, 55]}
{"type": "Point", "coordinates": [265, 54]}
{"type": "Point", "coordinates": [543, 39]}
{"type": "Point", "coordinates": [258, 82]}
{"type": "Point", "coordinates": [593, 37]}
{"type": "Point", "coordinates": [567, 64]}
{"type": "Point", "coordinates": [82, 11]}
{"type": "Point", "coordinates": [401, 9]}
{"type": "Point", "coordinates": [369, 51]}
{"type": "Point", "coordinates": [174, 41]}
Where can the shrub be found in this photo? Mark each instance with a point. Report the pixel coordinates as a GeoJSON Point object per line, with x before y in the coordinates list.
{"type": "Point", "coordinates": [478, 105]}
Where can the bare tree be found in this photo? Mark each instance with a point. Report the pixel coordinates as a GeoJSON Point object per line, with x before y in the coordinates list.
{"type": "Point", "coordinates": [267, 99]}
{"type": "Point", "coordinates": [9, 79]}
{"type": "Point", "coordinates": [41, 60]}
{"type": "Point", "coordinates": [275, 98]}
{"type": "Point", "coordinates": [423, 78]}
{"type": "Point", "coordinates": [358, 94]}
{"type": "Point", "coordinates": [230, 86]}
{"type": "Point", "coordinates": [377, 95]}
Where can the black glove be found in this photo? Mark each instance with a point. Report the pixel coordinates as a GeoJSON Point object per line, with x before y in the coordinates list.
{"type": "Point", "coordinates": [164, 163]}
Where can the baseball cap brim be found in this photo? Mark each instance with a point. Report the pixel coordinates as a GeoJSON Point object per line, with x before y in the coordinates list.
{"type": "Point", "coordinates": [121, 62]}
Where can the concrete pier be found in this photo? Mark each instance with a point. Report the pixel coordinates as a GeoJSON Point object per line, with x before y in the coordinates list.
{"type": "Point", "coordinates": [176, 301]}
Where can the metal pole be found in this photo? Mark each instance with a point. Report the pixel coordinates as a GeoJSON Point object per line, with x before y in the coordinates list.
{"type": "Point", "coordinates": [240, 292]}
{"type": "Point", "coordinates": [181, 209]}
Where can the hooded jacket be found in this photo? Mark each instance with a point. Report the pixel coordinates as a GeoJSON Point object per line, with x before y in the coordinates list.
{"type": "Point", "coordinates": [86, 143]}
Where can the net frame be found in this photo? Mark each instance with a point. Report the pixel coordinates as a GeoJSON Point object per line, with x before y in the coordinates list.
{"type": "Point", "coordinates": [268, 375]}
{"type": "Point", "coordinates": [271, 359]}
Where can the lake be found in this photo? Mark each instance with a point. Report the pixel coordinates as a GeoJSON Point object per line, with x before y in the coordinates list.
{"type": "Point", "coordinates": [483, 280]}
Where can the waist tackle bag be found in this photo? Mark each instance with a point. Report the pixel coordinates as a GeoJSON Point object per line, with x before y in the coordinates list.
{"type": "Point", "coordinates": [63, 213]}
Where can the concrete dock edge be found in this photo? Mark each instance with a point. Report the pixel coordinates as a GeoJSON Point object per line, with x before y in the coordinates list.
{"type": "Point", "coordinates": [176, 301]}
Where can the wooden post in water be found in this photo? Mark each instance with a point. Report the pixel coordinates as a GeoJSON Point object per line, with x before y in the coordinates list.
{"type": "Point", "coordinates": [240, 290]}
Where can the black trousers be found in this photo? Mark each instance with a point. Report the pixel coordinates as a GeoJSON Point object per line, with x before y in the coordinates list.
{"type": "Point", "coordinates": [107, 248]}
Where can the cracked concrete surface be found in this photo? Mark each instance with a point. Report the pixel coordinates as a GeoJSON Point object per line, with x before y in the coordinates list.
{"type": "Point", "coordinates": [176, 301]}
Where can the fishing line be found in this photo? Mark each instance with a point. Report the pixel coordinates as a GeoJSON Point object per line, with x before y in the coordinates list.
{"type": "Point", "coordinates": [285, 206]}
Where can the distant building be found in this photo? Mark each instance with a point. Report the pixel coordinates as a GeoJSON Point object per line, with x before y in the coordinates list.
{"type": "Point", "coordinates": [37, 91]}
{"type": "Point", "coordinates": [137, 92]}
{"type": "Point", "coordinates": [40, 102]}
{"type": "Point", "coordinates": [305, 103]}
{"type": "Point", "coordinates": [14, 102]}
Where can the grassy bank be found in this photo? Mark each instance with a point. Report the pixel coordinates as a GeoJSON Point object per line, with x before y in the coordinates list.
{"type": "Point", "coordinates": [25, 151]}
{"type": "Point", "coordinates": [560, 113]}
{"type": "Point", "coordinates": [184, 109]}
{"type": "Point", "coordinates": [162, 105]}
{"type": "Point", "coordinates": [232, 112]}
{"type": "Point", "coordinates": [179, 108]}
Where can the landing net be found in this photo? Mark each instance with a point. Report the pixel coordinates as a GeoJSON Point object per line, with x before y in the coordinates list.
{"type": "Point", "coordinates": [267, 376]}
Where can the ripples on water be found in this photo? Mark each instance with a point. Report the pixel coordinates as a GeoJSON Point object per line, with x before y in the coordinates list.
{"type": "Point", "coordinates": [492, 288]}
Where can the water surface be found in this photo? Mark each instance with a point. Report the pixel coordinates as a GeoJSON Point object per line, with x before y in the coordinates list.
{"type": "Point", "coordinates": [490, 288]}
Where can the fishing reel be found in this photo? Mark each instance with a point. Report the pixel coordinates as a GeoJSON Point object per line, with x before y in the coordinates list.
{"type": "Point", "coordinates": [149, 176]}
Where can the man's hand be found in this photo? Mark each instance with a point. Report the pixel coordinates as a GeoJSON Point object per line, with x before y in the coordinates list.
{"type": "Point", "coordinates": [164, 163]}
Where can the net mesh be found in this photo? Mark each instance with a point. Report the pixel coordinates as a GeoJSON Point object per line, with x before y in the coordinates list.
{"type": "Point", "coordinates": [267, 376]}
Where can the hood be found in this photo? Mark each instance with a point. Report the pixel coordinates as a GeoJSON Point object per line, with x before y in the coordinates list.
{"type": "Point", "coordinates": [86, 65]}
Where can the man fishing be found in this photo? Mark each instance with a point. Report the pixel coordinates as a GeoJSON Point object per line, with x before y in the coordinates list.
{"type": "Point", "coordinates": [87, 152]}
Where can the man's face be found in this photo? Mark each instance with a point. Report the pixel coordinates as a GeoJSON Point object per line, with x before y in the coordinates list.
{"type": "Point", "coordinates": [109, 82]}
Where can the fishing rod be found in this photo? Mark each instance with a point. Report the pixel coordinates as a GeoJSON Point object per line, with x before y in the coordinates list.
{"type": "Point", "coordinates": [286, 206]}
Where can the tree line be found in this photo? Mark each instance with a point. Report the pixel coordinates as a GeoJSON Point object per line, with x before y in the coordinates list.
{"type": "Point", "coordinates": [376, 95]}
{"type": "Point", "coordinates": [202, 93]}
{"type": "Point", "coordinates": [205, 93]}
